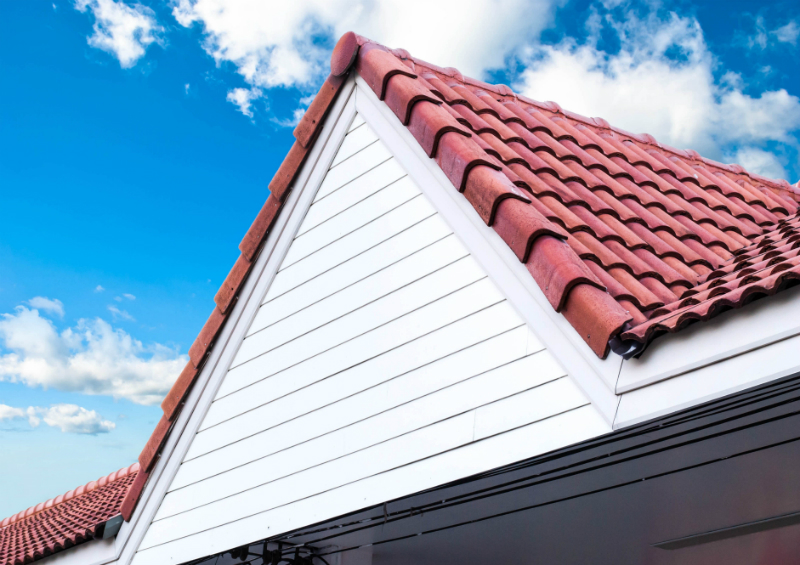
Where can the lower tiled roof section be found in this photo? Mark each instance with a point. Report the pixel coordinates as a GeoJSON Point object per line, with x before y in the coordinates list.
{"type": "Point", "coordinates": [65, 521]}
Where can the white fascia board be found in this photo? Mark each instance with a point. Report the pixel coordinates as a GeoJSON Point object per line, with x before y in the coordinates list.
{"type": "Point", "coordinates": [596, 377]}
{"type": "Point", "coordinates": [213, 372]}
{"type": "Point", "coordinates": [729, 335]}
{"type": "Point", "coordinates": [779, 359]}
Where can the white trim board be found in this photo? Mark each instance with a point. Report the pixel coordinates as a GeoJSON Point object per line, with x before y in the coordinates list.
{"type": "Point", "coordinates": [210, 377]}
{"type": "Point", "coordinates": [596, 377]}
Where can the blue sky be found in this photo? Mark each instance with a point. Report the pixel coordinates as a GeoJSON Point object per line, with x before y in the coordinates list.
{"type": "Point", "coordinates": [139, 139]}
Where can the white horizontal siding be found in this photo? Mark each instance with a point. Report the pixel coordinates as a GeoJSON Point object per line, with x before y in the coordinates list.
{"type": "Point", "coordinates": [382, 360]}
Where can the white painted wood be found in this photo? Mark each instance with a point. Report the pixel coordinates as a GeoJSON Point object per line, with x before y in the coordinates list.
{"type": "Point", "coordinates": [358, 121]}
{"type": "Point", "coordinates": [597, 378]}
{"type": "Point", "coordinates": [539, 437]}
{"type": "Point", "coordinates": [319, 336]}
{"type": "Point", "coordinates": [731, 375]}
{"type": "Point", "coordinates": [488, 333]}
{"type": "Point", "coordinates": [359, 164]}
{"type": "Point", "coordinates": [351, 220]}
{"type": "Point", "coordinates": [202, 393]}
{"type": "Point", "coordinates": [284, 302]}
{"type": "Point", "coordinates": [352, 193]}
{"type": "Point", "coordinates": [394, 222]}
{"type": "Point", "coordinates": [533, 405]}
{"type": "Point", "coordinates": [387, 419]}
{"type": "Point", "coordinates": [328, 299]}
{"type": "Point", "coordinates": [354, 142]}
{"type": "Point", "coordinates": [728, 335]}
{"type": "Point", "coordinates": [445, 311]}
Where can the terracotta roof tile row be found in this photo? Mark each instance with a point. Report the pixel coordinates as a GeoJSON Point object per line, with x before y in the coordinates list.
{"type": "Point", "coordinates": [618, 230]}
{"type": "Point", "coordinates": [64, 521]}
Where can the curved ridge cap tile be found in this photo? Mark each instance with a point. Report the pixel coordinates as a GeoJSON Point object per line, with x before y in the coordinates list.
{"type": "Point", "coordinates": [457, 156]}
{"type": "Point", "coordinates": [344, 53]}
{"type": "Point", "coordinates": [202, 344]}
{"type": "Point", "coordinates": [557, 269]}
{"type": "Point", "coordinates": [520, 224]}
{"type": "Point", "coordinates": [174, 399]}
{"type": "Point", "coordinates": [251, 242]}
{"type": "Point", "coordinates": [429, 122]}
{"type": "Point", "coordinates": [596, 316]}
{"type": "Point", "coordinates": [486, 188]}
{"type": "Point", "coordinates": [233, 282]}
{"type": "Point", "coordinates": [403, 93]}
{"type": "Point", "coordinates": [314, 116]}
{"type": "Point", "coordinates": [133, 495]}
{"type": "Point", "coordinates": [376, 66]}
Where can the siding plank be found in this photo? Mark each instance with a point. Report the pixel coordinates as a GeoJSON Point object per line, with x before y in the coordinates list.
{"type": "Point", "coordinates": [358, 319]}
{"type": "Point", "coordinates": [368, 210]}
{"type": "Point", "coordinates": [377, 179]}
{"type": "Point", "coordinates": [389, 415]}
{"type": "Point", "coordinates": [354, 142]}
{"type": "Point", "coordinates": [353, 168]}
{"type": "Point", "coordinates": [331, 296]}
{"type": "Point", "coordinates": [461, 336]}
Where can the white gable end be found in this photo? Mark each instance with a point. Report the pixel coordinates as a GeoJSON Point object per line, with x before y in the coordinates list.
{"type": "Point", "coordinates": [381, 361]}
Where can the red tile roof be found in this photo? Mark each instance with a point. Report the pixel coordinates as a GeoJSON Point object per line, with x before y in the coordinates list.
{"type": "Point", "coordinates": [623, 235]}
{"type": "Point", "coordinates": [65, 521]}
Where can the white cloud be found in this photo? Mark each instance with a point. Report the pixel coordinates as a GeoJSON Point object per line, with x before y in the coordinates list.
{"type": "Point", "coordinates": [661, 82]}
{"type": "Point", "coordinates": [128, 296]}
{"type": "Point", "coordinates": [75, 419]}
{"type": "Point", "coordinates": [10, 413]}
{"type": "Point", "coordinates": [760, 37]}
{"type": "Point", "coordinates": [98, 288]}
{"type": "Point", "coordinates": [54, 306]}
{"type": "Point", "coordinates": [90, 357]}
{"type": "Point", "coordinates": [787, 33]}
{"type": "Point", "coordinates": [757, 161]}
{"type": "Point", "coordinates": [118, 314]}
{"type": "Point", "coordinates": [69, 418]}
{"type": "Point", "coordinates": [276, 44]}
{"type": "Point", "coordinates": [122, 30]}
{"type": "Point", "coordinates": [243, 97]}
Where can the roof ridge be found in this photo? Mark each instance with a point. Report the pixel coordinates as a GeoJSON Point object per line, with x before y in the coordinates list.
{"type": "Point", "coordinates": [70, 495]}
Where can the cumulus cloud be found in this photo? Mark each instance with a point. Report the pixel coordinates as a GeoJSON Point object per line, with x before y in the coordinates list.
{"type": "Point", "coordinates": [69, 418]}
{"type": "Point", "coordinates": [286, 45]}
{"type": "Point", "coordinates": [91, 357]}
{"type": "Point", "coordinates": [54, 306]}
{"type": "Point", "coordinates": [10, 413]}
{"type": "Point", "coordinates": [661, 81]}
{"type": "Point", "coordinates": [129, 296]}
{"type": "Point", "coordinates": [122, 30]}
{"type": "Point", "coordinates": [99, 288]}
{"type": "Point", "coordinates": [242, 98]}
{"type": "Point", "coordinates": [758, 161]}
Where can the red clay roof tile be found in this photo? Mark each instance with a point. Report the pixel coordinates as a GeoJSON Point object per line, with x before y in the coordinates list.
{"type": "Point", "coordinates": [65, 521]}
